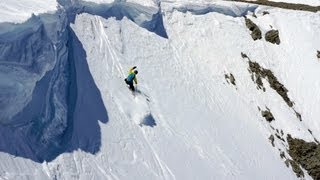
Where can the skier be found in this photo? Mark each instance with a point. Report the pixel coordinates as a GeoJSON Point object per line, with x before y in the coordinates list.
{"type": "Point", "coordinates": [132, 77]}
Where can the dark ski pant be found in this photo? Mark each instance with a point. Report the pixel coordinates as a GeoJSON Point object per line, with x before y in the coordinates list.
{"type": "Point", "coordinates": [130, 83]}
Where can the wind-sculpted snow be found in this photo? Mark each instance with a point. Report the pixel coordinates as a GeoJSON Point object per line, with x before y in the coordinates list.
{"type": "Point", "coordinates": [149, 18]}
{"type": "Point", "coordinates": [48, 98]}
{"type": "Point", "coordinates": [27, 53]}
{"type": "Point", "coordinates": [226, 8]}
{"type": "Point", "coordinates": [46, 90]}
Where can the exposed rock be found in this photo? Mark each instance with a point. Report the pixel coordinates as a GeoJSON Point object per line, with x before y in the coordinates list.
{"type": "Point", "coordinates": [260, 72]}
{"type": "Point", "coordinates": [284, 5]}
{"type": "Point", "coordinates": [307, 154]}
{"type": "Point", "coordinates": [265, 13]}
{"type": "Point", "coordinates": [255, 31]}
{"type": "Point", "coordinates": [256, 74]}
{"type": "Point", "coordinates": [298, 115]}
{"type": "Point", "coordinates": [296, 168]}
{"type": "Point", "coordinates": [254, 15]}
{"type": "Point", "coordinates": [273, 37]}
{"type": "Point", "coordinates": [271, 138]}
{"type": "Point", "coordinates": [231, 78]}
{"type": "Point", "coordinates": [243, 55]}
{"type": "Point", "coordinates": [267, 115]}
{"type": "Point", "coordinates": [318, 54]}
{"type": "Point", "coordinates": [287, 162]}
{"type": "Point", "coordinates": [279, 137]}
{"type": "Point", "coordinates": [282, 155]}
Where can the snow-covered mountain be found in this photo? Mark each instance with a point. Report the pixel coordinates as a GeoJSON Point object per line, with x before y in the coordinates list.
{"type": "Point", "coordinates": [226, 90]}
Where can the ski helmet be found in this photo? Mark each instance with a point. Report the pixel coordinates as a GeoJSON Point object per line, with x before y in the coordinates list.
{"type": "Point", "coordinates": [135, 71]}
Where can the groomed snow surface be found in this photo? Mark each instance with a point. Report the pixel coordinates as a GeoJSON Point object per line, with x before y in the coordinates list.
{"type": "Point", "coordinates": [185, 121]}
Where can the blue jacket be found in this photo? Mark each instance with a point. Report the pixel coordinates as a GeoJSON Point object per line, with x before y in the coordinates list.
{"type": "Point", "coordinates": [132, 76]}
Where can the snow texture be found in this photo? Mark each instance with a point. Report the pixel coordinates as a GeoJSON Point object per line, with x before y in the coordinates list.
{"type": "Point", "coordinates": [17, 11]}
{"type": "Point", "coordinates": [66, 112]}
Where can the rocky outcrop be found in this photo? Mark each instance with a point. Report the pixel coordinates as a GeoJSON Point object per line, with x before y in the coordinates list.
{"type": "Point", "coordinates": [259, 72]}
{"type": "Point", "coordinates": [255, 31]}
{"type": "Point", "coordinates": [271, 138]}
{"type": "Point", "coordinates": [267, 115]}
{"type": "Point", "coordinates": [265, 13]}
{"type": "Point", "coordinates": [272, 36]}
{"type": "Point", "coordinates": [230, 78]}
{"type": "Point", "coordinates": [284, 5]}
{"type": "Point", "coordinates": [306, 154]}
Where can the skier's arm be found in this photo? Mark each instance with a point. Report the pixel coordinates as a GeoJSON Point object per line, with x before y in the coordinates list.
{"type": "Point", "coordinates": [131, 70]}
{"type": "Point", "coordinates": [135, 80]}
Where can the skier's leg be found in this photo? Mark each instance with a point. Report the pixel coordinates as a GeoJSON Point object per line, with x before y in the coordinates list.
{"type": "Point", "coordinates": [131, 86]}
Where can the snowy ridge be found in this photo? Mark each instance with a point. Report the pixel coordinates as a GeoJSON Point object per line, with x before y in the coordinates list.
{"type": "Point", "coordinates": [145, 16]}
{"type": "Point", "coordinates": [67, 114]}
{"type": "Point", "coordinates": [226, 8]}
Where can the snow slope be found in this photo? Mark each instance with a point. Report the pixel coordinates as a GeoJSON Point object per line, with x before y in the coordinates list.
{"type": "Point", "coordinates": [202, 146]}
{"type": "Point", "coordinates": [186, 121]}
{"type": "Point", "coordinates": [18, 11]}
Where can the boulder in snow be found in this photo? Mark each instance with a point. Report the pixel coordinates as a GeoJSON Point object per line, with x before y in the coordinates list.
{"type": "Point", "coordinates": [273, 37]}
{"type": "Point", "coordinates": [255, 31]}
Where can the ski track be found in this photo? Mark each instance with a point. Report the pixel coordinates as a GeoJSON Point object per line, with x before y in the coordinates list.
{"type": "Point", "coordinates": [116, 63]}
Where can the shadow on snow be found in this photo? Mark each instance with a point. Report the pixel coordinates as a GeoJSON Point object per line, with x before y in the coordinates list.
{"type": "Point", "coordinates": [148, 120]}
{"type": "Point", "coordinates": [151, 20]}
{"type": "Point", "coordinates": [44, 134]}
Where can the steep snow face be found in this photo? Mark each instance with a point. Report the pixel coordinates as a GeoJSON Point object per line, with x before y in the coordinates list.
{"type": "Point", "coordinates": [19, 11]}
{"type": "Point", "coordinates": [44, 71]}
{"type": "Point", "coordinates": [28, 51]}
{"type": "Point", "coordinates": [170, 71]}
{"type": "Point", "coordinates": [145, 3]}
{"type": "Point", "coordinates": [35, 95]}
{"type": "Point", "coordinates": [181, 83]}
{"type": "Point", "coordinates": [148, 17]}
{"type": "Point", "coordinates": [296, 64]}
{"type": "Point", "coordinates": [63, 91]}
